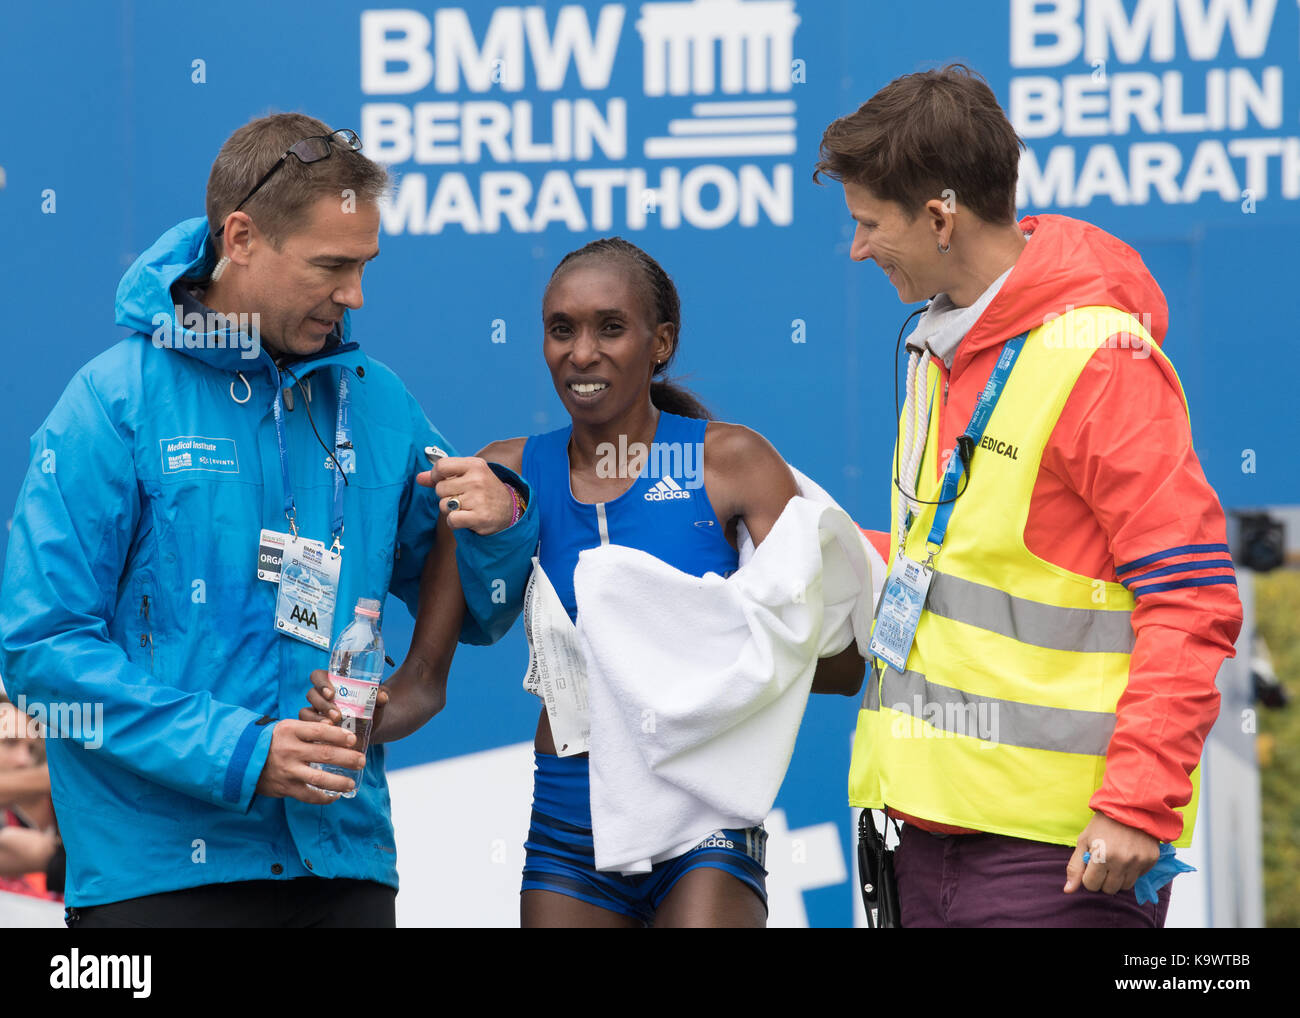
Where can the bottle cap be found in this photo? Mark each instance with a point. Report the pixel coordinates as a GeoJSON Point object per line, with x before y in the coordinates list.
{"type": "Point", "coordinates": [368, 606]}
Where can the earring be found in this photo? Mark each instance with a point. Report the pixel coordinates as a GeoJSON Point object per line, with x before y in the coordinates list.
{"type": "Point", "coordinates": [220, 267]}
{"type": "Point", "coordinates": [945, 248]}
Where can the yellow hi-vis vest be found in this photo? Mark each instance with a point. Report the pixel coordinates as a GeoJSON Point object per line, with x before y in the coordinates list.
{"type": "Point", "coordinates": [1002, 719]}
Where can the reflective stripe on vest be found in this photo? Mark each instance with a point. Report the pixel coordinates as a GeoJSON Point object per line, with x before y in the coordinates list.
{"type": "Point", "coordinates": [1043, 625]}
{"type": "Point", "coordinates": [1003, 722]}
{"type": "Point", "coordinates": [1003, 717]}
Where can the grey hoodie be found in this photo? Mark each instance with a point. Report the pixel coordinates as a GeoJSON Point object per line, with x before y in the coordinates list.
{"type": "Point", "coordinates": [944, 325]}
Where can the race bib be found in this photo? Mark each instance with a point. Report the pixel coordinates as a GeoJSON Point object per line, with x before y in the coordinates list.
{"type": "Point", "coordinates": [557, 670]}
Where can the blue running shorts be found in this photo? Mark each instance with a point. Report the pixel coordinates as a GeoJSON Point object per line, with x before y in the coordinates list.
{"type": "Point", "coordinates": [561, 856]}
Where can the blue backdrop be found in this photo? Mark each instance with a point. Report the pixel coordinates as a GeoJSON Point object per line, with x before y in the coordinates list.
{"type": "Point", "coordinates": [691, 126]}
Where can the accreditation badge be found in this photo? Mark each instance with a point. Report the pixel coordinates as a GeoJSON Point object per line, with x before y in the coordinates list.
{"type": "Point", "coordinates": [901, 604]}
{"type": "Point", "coordinates": [270, 552]}
{"type": "Point", "coordinates": [309, 583]}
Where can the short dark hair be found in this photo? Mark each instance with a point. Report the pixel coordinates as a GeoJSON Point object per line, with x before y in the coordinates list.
{"type": "Point", "coordinates": [278, 206]}
{"type": "Point", "coordinates": [925, 133]}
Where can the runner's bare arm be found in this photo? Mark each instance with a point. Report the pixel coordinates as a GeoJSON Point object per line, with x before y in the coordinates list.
{"type": "Point", "coordinates": [753, 483]}
{"type": "Point", "coordinates": [745, 479]}
{"type": "Point", "coordinates": [509, 452]}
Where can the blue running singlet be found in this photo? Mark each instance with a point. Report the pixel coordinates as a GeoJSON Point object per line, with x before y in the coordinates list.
{"type": "Point", "coordinates": [665, 513]}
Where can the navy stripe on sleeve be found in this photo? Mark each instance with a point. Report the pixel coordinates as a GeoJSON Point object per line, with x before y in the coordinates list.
{"type": "Point", "coordinates": [1195, 581]}
{"type": "Point", "coordinates": [239, 762]}
{"type": "Point", "coordinates": [1181, 567]}
{"type": "Point", "coordinates": [1186, 549]}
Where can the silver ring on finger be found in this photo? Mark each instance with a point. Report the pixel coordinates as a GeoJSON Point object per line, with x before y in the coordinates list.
{"type": "Point", "coordinates": [453, 504]}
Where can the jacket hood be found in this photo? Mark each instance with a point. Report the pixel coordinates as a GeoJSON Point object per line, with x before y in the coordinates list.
{"type": "Point", "coordinates": [146, 303]}
{"type": "Point", "coordinates": [1067, 263]}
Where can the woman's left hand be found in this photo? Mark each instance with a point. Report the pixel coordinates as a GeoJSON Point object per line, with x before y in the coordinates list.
{"type": "Point", "coordinates": [471, 496]}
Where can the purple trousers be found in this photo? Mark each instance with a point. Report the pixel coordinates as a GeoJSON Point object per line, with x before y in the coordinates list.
{"type": "Point", "coordinates": [972, 880]}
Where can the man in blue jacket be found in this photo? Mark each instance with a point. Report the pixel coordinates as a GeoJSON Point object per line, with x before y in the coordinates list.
{"type": "Point", "coordinates": [239, 421]}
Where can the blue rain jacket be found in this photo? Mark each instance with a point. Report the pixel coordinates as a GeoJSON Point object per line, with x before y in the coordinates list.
{"type": "Point", "coordinates": [132, 617]}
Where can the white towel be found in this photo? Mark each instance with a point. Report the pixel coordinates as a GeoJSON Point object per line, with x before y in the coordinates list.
{"type": "Point", "coordinates": [698, 685]}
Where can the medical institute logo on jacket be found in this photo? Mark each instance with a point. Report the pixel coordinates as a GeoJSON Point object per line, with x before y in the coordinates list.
{"type": "Point", "coordinates": [510, 154]}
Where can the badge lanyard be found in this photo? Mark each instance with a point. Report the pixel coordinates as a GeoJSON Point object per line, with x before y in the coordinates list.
{"type": "Point", "coordinates": [342, 442]}
{"type": "Point", "coordinates": [308, 572]}
{"type": "Point", "coordinates": [907, 588]}
{"type": "Point", "coordinates": [974, 432]}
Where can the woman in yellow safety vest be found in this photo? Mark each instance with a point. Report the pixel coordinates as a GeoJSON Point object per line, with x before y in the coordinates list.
{"type": "Point", "coordinates": [1061, 593]}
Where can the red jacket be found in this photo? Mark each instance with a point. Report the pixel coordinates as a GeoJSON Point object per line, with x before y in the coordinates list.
{"type": "Point", "coordinates": [1120, 496]}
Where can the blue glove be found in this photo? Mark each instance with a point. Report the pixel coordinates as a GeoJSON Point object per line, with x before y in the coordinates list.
{"type": "Point", "coordinates": [1166, 868]}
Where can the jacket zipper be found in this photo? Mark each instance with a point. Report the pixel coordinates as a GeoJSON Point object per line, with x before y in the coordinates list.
{"type": "Point", "coordinates": [146, 637]}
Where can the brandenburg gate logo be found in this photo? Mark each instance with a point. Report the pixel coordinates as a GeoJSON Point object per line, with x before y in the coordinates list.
{"type": "Point", "coordinates": [703, 47]}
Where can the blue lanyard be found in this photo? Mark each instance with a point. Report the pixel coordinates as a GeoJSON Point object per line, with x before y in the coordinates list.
{"type": "Point", "coordinates": [342, 441]}
{"type": "Point", "coordinates": [974, 431]}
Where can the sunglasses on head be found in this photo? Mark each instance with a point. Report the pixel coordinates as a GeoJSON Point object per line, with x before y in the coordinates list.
{"type": "Point", "coordinates": [309, 150]}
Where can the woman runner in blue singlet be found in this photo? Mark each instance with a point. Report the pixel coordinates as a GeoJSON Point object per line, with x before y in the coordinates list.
{"type": "Point", "coordinates": [611, 318]}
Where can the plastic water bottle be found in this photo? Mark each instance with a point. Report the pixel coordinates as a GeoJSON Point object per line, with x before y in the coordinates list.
{"type": "Point", "coordinates": [356, 665]}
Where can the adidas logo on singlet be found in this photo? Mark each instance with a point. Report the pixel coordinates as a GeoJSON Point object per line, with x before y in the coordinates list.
{"type": "Point", "coordinates": [666, 490]}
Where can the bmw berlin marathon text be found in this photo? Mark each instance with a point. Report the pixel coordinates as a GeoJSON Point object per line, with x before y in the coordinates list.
{"type": "Point", "coordinates": [717, 80]}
